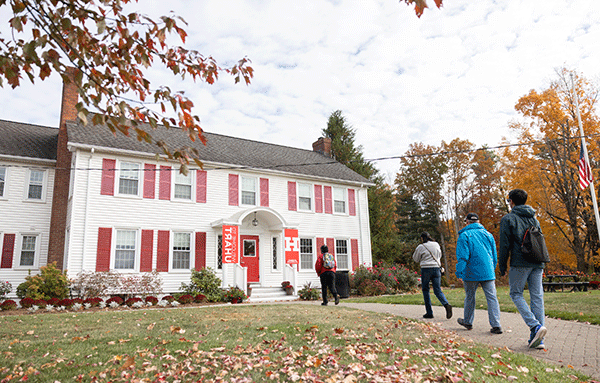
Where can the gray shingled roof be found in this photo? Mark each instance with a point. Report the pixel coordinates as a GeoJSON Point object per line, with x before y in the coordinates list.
{"type": "Point", "coordinates": [27, 140]}
{"type": "Point", "coordinates": [222, 149]}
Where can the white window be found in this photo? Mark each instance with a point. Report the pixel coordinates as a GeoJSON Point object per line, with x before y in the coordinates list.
{"type": "Point", "coordinates": [29, 250]}
{"type": "Point", "coordinates": [341, 253]}
{"type": "Point", "coordinates": [183, 186]}
{"type": "Point", "coordinates": [219, 252]}
{"type": "Point", "coordinates": [304, 197]}
{"type": "Point", "coordinates": [129, 178]}
{"type": "Point", "coordinates": [36, 185]}
{"type": "Point", "coordinates": [339, 200]}
{"type": "Point", "coordinates": [306, 254]}
{"type": "Point", "coordinates": [125, 249]}
{"type": "Point", "coordinates": [248, 191]}
{"type": "Point", "coordinates": [182, 250]}
{"type": "Point", "coordinates": [2, 181]}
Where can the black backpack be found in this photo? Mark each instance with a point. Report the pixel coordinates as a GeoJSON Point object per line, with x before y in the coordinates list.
{"type": "Point", "coordinates": [533, 246]}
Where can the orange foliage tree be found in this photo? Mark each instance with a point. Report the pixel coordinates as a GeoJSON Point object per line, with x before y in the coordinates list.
{"type": "Point", "coordinates": [546, 167]}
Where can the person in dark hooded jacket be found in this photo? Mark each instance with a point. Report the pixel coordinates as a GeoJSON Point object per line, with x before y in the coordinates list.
{"type": "Point", "coordinates": [512, 229]}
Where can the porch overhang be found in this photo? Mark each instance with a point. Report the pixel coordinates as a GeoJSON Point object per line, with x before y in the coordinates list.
{"type": "Point", "coordinates": [268, 218]}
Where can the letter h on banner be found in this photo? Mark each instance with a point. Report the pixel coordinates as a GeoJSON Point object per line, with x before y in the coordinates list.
{"type": "Point", "coordinates": [292, 247]}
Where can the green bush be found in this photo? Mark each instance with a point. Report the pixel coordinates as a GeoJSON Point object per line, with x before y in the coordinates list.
{"type": "Point", "coordinates": [308, 293]}
{"type": "Point", "coordinates": [372, 287]}
{"type": "Point", "coordinates": [205, 282]}
{"type": "Point", "coordinates": [394, 278]}
{"type": "Point", "coordinates": [49, 283]}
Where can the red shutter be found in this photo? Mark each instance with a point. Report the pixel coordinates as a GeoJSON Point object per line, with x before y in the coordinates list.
{"type": "Point", "coordinates": [233, 189]}
{"type": "Point", "coordinates": [318, 199]}
{"type": "Point", "coordinates": [164, 189]}
{"type": "Point", "coordinates": [351, 202]}
{"type": "Point", "coordinates": [107, 186]}
{"type": "Point", "coordinates": [201, 186]}
{"type": "Point", "coordinates": [146, 251]}
{"type": "Point", "coordinates": [149, 180]}
{"type": "Point", "coordinates": [328, 200]}
{"type": "Point", "coordinates": [103, 250]}
{"type": "Point", "coordinates": [291, 195]}
{"type": "Point", "coordinates": [200, 262]}
{"type": "Point", "coordinates": [320, 242]}
{"type": "Point", "coordinates": [7, 251]}
{"type": "Point", "coordinates": [354, 249]}
{"type": "Point", "coordinates": [162, 251]}
{"type": "Point", "coordinates": [331, 245]}
{"type": "Point", "coordinates": [264, 192]}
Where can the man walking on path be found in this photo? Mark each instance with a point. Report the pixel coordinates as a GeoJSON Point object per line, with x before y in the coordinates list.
{"type": "Point", "coordinates": [512, 229]}
{"type": "Point", "coordinates": [325, 268]}
{"type": "Point", "coordinates": [476, 260]}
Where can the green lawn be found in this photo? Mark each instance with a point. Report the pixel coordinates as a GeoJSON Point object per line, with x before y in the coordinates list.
{"type": "Point", "coordinates": [583, 306]}
{"type": "Point", "coordinates": [279, 343]}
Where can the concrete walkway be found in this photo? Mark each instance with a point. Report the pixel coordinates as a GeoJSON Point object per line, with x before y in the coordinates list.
{"type": "Point", "coordinates": [567, 343]}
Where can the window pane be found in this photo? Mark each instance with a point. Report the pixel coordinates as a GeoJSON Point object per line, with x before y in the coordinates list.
{"type": "Point", "coordinates": [274, 253]}
{"type": "Point", "coordinates": [304, 190]}
{"type": "Point", "coordinates": [248, 184]}
{"type": "Point", "coordinates": [183, 186]}
{"type": "Point", "coordinates": [339, 200]}
{"type": "Point", "coordinates": [339, 206]}
{"type": "Point", "coordinates": [2, 178]}
{"type": "Point", "coordinates": [304, 203]}
{"type": "Point", "coordinates": [248, 191]}
{"type": "Point", "coordinates": [220, 252]}
{"type": "Point", "coordinates": [129, 175]}
{"type": "Point", "coordinates": [125, 249]}
{"type": "Point", "coordinates": [341, 252]}
{"type": "Point", "coordinates": [306, 253]}
{"type": "Point", "coordinates": [181, 251]}
{"type": "Point", "coordinates": [36, 182]}
{"type": "Point", "coordinates": [248, 198]}
{"type": "Point", "coordinates": [28, 250]}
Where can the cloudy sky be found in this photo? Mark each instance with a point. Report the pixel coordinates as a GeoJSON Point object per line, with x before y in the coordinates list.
{"type": "Point", "coordinates": [455, 72]}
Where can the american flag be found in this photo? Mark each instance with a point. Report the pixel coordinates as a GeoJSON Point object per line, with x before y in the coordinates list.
{"type": "Point", "coordinates": [585, 172]}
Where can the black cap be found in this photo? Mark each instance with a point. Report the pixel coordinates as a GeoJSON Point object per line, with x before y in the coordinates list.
{"type": "Point", "coordinates": [472, 217]}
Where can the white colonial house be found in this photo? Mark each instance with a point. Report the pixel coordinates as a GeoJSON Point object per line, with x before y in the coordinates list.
{"type": "Point", "coordinates": [256, 213]}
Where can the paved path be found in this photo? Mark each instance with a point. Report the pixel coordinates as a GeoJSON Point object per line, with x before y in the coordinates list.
{"type": "Point", "coordinates": [567, 343]}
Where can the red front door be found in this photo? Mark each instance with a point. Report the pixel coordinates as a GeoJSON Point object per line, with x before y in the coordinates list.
{"type": "Point", "coordinates": [249, 259]}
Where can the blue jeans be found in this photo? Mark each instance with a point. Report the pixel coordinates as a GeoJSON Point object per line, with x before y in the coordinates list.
{"type": "Point", "coordinates": [489, 289]}
{"type": "Point", "coordinates": [433, 275]}
{"type": "Point", "coordinates": [517, 277]}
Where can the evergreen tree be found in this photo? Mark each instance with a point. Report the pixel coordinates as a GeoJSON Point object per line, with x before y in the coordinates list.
{"type": "Point", "coordinates": [384, 242]}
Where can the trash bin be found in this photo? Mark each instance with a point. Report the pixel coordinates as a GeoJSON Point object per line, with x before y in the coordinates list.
{"type": "Point", "coordinates": [342, 284]}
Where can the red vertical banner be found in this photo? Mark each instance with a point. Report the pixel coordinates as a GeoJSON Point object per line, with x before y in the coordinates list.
{"type": "Point", "coordinates": [230, 244]}
{"type": "Point", "coordinates": [292, 247]}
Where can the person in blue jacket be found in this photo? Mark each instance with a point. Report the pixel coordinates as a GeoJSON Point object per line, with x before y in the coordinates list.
{"type": "Point", "coordinates": [476, 260]}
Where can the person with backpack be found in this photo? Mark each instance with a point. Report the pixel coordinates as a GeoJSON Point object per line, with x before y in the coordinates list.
{"type": "Point", "coordinates": [325, 268]}
{"type": "Point", "coordinates": [428, 255]}
{"type": "Point", "coordinates": [513, 228]}
{"type": "Point", "coordinates": [476, 260]}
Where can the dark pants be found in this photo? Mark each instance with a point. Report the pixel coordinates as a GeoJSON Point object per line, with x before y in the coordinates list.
{"type": "Point", "coordinates": [328, 282]}
{"type": "Point", "coordinates": [433, 275]}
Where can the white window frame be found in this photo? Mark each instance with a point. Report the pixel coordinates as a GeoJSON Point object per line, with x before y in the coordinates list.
{"type": "Point", "coordinates": [191, 178]}
{"type": "Point", "coordinates": [344, 194]}
{"type": "Point", "coordinates": [36, 251]}
{"type": "Point", "coordinates": [120, 168]}
{"type": "Point", "coordinates": [310, 197]}
{"type": "Point", "coordinates": [242, 191]}
{"type": "Point", "coordinates": [310, 264]}
{"type": "Point", "coordinates": [136, 251]}
{"type": "Point", "coordinates": [219, 247]}
{"type": "Point", "coordinates": [43, 185]}
{"type": "Point", "coordinates": [345, 257]}
{"type": "Point", "coordinates": [172, 252]}
{"type": "Point", "coordinates": [3, 183]}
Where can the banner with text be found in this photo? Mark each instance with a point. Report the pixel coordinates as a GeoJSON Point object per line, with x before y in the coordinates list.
{"type": "Point", "coordinates": [229, 253]}
{"type": "Point", "coordinates": [292, 247]}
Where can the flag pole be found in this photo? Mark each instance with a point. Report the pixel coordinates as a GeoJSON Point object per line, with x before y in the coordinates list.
{"type": "Point", "coordinates": [585, 154]}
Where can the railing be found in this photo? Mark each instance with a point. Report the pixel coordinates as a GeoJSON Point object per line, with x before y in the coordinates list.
{"type": "Point", "coordinates": [240, 277]}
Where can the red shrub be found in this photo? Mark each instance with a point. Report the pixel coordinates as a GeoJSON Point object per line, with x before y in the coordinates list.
{"type": "Point", "coordinates": [8, 304]}
{"type": "Point", "coordinates": [67, 303]}
{"type": "Point", "coordinates": [131, 301]}
{"type": "Point", "coordinates": [185, 299]}
{"type": "Point", "coordinates": [168, 298]}
{"type": "Point", "coordinates": [118, 300]}
{"type": "Point", "coordinates": [27, 302]}
{"type": "Point", "coordinates": [93, 302]}
{"type": "Point", "coordinates": [53, 301]}
{"type": "Point", "coordinates": [153, 300]}
{"type": "Point", "coordinates": [40, 303]}
{"type": "Point", "coordinates": [199, 298]}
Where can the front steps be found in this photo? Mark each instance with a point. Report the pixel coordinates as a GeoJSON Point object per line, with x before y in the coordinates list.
{"type": "Point", "coordinates": [270, 294]}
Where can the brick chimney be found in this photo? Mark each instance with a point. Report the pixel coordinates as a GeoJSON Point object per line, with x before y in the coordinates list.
{"type": "Point", "coordinates": [62, 175]}
{"type": "Point", "coordinates": [323, 146]}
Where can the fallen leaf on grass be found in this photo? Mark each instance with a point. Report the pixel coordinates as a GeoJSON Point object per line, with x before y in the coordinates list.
{"type": "Point", "coordinates": [151, 326]}
{"type": "Point", "coordinates": [130, 361]}
{"type": "Point", "coordinates": [176, 329]}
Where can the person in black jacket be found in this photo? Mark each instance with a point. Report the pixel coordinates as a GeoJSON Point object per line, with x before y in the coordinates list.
{"type": "Point", "coordinates": [512, 229]}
